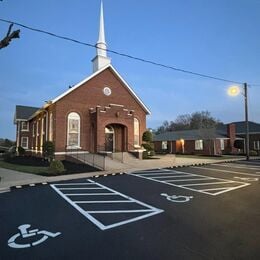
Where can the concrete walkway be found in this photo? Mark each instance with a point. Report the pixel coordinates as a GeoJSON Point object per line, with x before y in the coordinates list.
{"type": "Point", "coordinates": [10, 178]}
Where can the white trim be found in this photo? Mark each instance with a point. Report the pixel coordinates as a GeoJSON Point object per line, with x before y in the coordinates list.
{"type": "Point", "coordinates": [95, 74]}
{"type": "Point", "coordinates": [116, 105]}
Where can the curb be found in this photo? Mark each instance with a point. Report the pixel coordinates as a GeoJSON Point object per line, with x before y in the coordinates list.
{"type": "Point", "coordinates": [16, 187]}
{"type": "Point", "coordinates": [6, 189]}
{"type": "Point", "coordinates": [105, 174]}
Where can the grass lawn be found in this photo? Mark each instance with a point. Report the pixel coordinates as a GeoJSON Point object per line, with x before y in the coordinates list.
{"type": "Point", "coordinates": [41, 170]}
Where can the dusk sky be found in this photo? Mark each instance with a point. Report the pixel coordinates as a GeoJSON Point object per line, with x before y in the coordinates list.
{"type": "Point", "coordinates": [218, 38]}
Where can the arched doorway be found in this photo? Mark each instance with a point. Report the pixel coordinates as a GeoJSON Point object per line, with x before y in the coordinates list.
{"type": "Point", "coordinates": [115, 138]}
{"type": "Point", "coordinates": [109, 138]}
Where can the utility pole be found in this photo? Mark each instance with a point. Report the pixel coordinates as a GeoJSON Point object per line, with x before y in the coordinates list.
{"type": "Point", "coordinates": [246, 121]}
{"type": "Point", "coordinates": [9, 36]}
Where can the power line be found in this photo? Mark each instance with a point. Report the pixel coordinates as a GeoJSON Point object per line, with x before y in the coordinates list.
{"type": "Point", "coordinates": [125, 55]}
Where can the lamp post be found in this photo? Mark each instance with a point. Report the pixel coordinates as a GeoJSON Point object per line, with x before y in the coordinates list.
{"type": "Point", "coordinates": [246, 121]}
{"type": "Point", "coordinates": [234, 91]}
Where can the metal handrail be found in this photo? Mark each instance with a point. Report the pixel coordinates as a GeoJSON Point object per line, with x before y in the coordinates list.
{"type": "Point", "coordinates": [88, 158]}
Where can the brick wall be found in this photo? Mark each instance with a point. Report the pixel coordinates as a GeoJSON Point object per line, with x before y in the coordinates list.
{"type": "Point", "coordinates": [90, 95]}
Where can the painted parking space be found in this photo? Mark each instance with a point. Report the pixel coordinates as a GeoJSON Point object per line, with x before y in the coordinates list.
{"type": "Point", "coordinates": [189, 219]}
{"type": "Point", "coordinates": [191, 181]}
{"type": "Point", "coordinates": [240, 170]}
{"type": "Point", "coordinates": [103, 206]}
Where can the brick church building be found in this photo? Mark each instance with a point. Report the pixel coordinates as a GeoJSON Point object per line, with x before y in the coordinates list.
{"type": "Point", "coordinates": [101, 113]}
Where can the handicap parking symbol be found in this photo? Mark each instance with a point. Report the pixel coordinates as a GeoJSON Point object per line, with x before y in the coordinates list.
{"type": "Point", "coordinates": [177, 198]}
{"type": "Point", "coordinates": [25, 233]}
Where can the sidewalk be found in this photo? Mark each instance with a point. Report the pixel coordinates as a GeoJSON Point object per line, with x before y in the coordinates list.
{"type": "Point", "coordinates": [10, 178]}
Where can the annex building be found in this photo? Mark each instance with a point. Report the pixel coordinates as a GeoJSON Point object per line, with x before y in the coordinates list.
{"type": "Point", "coordinates": [101, 113]}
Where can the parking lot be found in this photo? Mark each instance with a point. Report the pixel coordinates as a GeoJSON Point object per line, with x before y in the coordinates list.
{"type": "Point", "coordinates": [199, 212]}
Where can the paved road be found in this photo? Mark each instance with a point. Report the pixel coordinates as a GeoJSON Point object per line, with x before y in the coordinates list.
{"type": "Point", "coordinates": [208, 212]}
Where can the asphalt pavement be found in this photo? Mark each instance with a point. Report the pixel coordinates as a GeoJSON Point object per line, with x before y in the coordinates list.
{"type": "Point", "coordinates": [200, 212]}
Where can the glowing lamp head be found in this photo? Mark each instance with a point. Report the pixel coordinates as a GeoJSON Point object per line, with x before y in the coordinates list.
{"type": "Point", "coordinates": [233, 91]}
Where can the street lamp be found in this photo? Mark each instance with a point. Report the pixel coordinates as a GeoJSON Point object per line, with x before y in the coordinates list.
{"type": "Point", "coordinates": [234, 91]}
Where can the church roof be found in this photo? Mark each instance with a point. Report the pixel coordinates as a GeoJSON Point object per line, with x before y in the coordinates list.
{"type": "Point", "coordinates": [92, 76]}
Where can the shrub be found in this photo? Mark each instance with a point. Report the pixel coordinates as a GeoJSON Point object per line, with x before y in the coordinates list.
{"type": "Point", "coordinates": [56, 167]}
{"type": "Point", "coordinates": [253, 153]}
{"type": "Point", "coordinates": [48, 150]}
{"type": "Point", "coordinates": [147, 136]}
{"type": "Point", "coordinates": [21, 151]}
{"type": "Point", "coordinates": [145, 155]}
{"type": "Point", "coordinates": [148, 147]}
{"type": "Point", "coordinates": [8, 156]}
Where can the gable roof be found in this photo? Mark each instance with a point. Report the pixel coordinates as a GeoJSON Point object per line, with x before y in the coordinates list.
{"type": "Point", "coordinates": [92, 76]}
{"type": "Point", "coordinates": [241, 127]}
{"type": "Point", "coordinates": [195, 134]}
{"type": "Point", "coordinates": [24, 112]}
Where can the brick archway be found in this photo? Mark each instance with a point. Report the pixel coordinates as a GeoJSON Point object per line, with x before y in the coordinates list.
{"type": "Point", "coordinates": [115, 138]}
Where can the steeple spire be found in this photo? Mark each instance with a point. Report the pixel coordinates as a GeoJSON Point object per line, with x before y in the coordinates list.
{"type": "Point", "coordinates": [101, 59]}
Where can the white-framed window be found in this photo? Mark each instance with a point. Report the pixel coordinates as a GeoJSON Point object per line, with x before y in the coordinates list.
{"type": "Point", "coordinates": [73, 130]}
{"type": "Point", "coordinates": [51, 127]}
{"type": "Point", "coordinates": [24, 142]}
{"type": "Point", "coordinates": [198, 144]}
{"type": "Point", "coordinates": [164, 145]}
{"type": "Point", "coordinates": [222, 144]}
{"type": "Point", "coordinates": [25, 126]}
{"type": "Point", "coordinates": [136, 132]}
{"type": "Point", "coordinates": [256, 145]}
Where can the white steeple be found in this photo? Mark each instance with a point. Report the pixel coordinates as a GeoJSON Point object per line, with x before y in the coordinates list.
{"type": "Point", "coordinates": [101, 59]}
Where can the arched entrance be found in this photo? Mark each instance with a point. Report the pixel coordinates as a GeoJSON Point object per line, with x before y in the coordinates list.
{"type": "Point", "coordinates": [115, 138]}
{"type": "Point", "coordinates": [109, 138]}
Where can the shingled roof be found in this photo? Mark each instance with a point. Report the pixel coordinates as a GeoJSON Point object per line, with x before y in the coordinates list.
{"type": "Point", "coordinates": [24, 112]}
{"type": "Point", "coordinates": [195, 134]}
{"type": "Point", "coordinates": [241, 127]}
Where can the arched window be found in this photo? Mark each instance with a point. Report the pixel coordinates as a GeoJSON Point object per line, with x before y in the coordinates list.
{"type": "Point", "coordinates": [73, 130]}
{"type": "Point", "coordinates": [136, 132]}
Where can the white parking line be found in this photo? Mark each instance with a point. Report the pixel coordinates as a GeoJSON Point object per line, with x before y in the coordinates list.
{"type": "Point", "coordinates": [142, 208]}
{"type": "Point", "coordinates": [219, 170]}
{"type": "Point", "coordinates": [192, 186]}
{"type": "Point", "coordinates": [238, 166]}
{"type": "Point", "coordinates": [209, 178]}
{"type": "Point", "coordinates": [81, 188]}
{"type": "Point", "coordinates": [209, 183]}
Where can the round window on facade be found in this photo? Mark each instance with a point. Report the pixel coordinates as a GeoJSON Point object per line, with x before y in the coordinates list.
{"type": "Point", "coordinates": [107, 91]}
